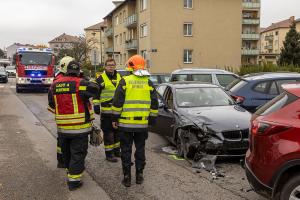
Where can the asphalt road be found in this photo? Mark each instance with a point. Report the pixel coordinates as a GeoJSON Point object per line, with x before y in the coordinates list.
{"type": "Point", "coordinates": [165, 178]}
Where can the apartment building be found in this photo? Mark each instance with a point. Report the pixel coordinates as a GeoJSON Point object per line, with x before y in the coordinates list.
{"type": "Point", "coordinates": [63, 41]}
{"type": "Point", "coordinates": [250, 31]}
{"type": "Point", "coordinates": [94, 36]}
{"type": "Point", "coordinates": [272, 39]}
{"type": "Point", "coordinates": [173, 34]}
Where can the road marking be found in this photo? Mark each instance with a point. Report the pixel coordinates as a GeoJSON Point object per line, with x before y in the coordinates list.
{"type": "Point", "coordinates": [1, 86]}
{"type": "Point", "coordinates": [12, 86]}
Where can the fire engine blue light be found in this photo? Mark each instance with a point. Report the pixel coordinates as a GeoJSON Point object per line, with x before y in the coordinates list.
{"type": "Point", "coordinates": [39, 75]}
{"type": "Point", "coordinates": [33, 75]}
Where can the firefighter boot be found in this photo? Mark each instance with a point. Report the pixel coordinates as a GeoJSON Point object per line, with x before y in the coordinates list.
{"type": "Point", "coordinates": [127, 180]}
{"type": "Point", "coordinates": [74, 185]}
{"type": "Point", "coordinates": [139, 179]}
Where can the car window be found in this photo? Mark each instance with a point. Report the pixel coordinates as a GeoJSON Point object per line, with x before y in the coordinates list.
{"type": "Point", "coordinates": [202, 97]}
{"type": "Point", "coordinates": [165, 78]}
{"type": "Point", "coordinates": [273, 89]}
{"type": "Point", "coordinates": [154, 79]}
{"type": "Point", "coordinates": [277, 103]}
{"type": "Point", "coordinates": [236, 85]}
{"type": "Point", "coordinates": [225, 79]}
{"type": "Point", "coordinates": [161, 89]}
{"type": "Point", "coordinates": [206, 78]}
{"type": "Point", "coordinates": [180, 77]}
{"type": "Point", "coordinates": [168, 97]}
{"type": "Point", "coordinates": [261, 87]}
{"type": "Point", "coordinates": [281, 82]}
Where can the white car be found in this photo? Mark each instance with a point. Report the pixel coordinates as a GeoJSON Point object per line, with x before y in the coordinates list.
{"type": "Point", "coordinates": [11, 71]}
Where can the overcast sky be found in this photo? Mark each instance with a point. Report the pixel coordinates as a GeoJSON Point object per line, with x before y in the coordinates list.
{"type": "Point", "coordinates": [39, 21]}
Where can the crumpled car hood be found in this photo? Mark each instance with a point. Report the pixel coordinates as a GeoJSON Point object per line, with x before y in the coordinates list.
{"type": "Point", "coordinates": [218, 118]}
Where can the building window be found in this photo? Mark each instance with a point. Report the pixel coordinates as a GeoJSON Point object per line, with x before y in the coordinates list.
{"type": "Point", "coordinates": [187, 56]}
{"type": "Point", "coordinates": [120, 38]}
{"type": "Point", "coordinates": [144, 54]}
{"type": "Point", "coordinates": [276, 33]}
{"type": "Point", "coordinates": [117, 20]}
{"type": "Point", "coordinates": [121, 17]}
{"type": "Point", "coordinates": [143, 5]}
{"type": "Point", "coordinates": [188, 4]}
{"type": "Point", "coordinates": [116, 39]}
{"type": "Point", "coordinates": [124, 16]}
{"type": "Point", "coordinates": [144, 30]}
{"type": "Point", "coordinates": [124, 37]}
{"type": "Point", "coordinates": [187, 29]}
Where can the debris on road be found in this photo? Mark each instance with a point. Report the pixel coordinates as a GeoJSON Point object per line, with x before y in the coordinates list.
{"type": "Point", "coordinates": [170, 150]}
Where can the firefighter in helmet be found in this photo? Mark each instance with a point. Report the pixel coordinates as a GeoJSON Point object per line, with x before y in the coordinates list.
{"type": "Point", "coordinates": [69, 98]}
{"type": "Point", "coordinates": [134, 107]}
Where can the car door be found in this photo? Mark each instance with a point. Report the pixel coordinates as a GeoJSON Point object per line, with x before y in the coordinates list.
{"type": "Point", "coordinates": [259, 94]}
{"type": "Point", "coordinates": [165, 121]}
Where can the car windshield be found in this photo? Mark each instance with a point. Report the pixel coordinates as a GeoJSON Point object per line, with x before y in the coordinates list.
{"type": "Point", "coordinates": [165, 78]}
{"type": "Point", "coordinates": [202, 97]}
{"type": "Point", "coordinates": [35, 58]}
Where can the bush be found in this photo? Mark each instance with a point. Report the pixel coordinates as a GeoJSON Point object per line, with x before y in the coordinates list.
{"type": "Point", "coordinates": [267, 68]}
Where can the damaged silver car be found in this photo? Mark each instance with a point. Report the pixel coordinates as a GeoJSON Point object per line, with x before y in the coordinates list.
{"type": "Point", "coordinates": [201, 119]}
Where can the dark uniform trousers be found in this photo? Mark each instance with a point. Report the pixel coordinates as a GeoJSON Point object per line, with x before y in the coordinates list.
{"type": "Point", "coordinates": [74, 149]}
{"type": "Point", "coordinates": [139, 140]}
{"type": "Point", "coordinates": [59, 156]}
{"type": "Point", "coordinates": [110, 136]}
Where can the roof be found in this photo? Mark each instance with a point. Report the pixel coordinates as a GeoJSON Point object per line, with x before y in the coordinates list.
{"type": "Point", "coordinates": [189, 84]}
{"type": "Point", "coordinates": [96, 27]}
{"type": "Point", "coordinates": [118, 5]}
{"type": "Point", "coordinates": [270, 75]}
{"type": "Point", "coordinates": [282, 24]}
{"type": "Point", "coordinates": [200, 70]}
{"type": "Point", "coordinates": [64, 38]}
{"type": "Point", "coordinates": [261, 29]}
{"type": "Point", "coordinates": [297, 20]}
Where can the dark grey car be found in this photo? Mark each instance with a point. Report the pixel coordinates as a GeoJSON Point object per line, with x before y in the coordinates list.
{"type": "Point", "coordinates": [3, 75]}
{"type": "Point", "coordinates": [201, 118]}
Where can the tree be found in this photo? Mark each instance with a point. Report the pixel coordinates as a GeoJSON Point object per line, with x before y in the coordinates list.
{"type": "Point", "coordinates": [290, 53]}
{"type": "Point", "coordinates": [1, 53]}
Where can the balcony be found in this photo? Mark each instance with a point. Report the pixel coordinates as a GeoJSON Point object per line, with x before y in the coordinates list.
{"type": "Point", "coordinates": [250, 52]}
{"type": "Point", "coordinates": [251, 21]}
{"type": "Point", "coordinates": [109, 50]}
{"type": "Point", "coordinates": [269, 37]}
{"type": "Point", "coordinates": [251, 5]}
{"type": "Point", "coordinates": [269, 47]}
{"type": "Point", "coordinates": [131, 44]}
{"type": "Point", "coordinates": [250, 36]}
{"type": "Point", "coordinates": [108, 32]}
{"type": "Point", "coordinates": [131, 21]}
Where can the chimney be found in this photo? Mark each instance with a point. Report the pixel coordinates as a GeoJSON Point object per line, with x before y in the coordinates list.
{"type": "Point", "coordinates": [292, 18]}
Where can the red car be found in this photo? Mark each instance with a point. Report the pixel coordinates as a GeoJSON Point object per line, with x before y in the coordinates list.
{"type": "Point", "coordinates": [273, 159]}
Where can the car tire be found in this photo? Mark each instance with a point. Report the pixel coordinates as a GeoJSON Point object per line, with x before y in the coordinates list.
{"type": "Point", "coordinates": [291, 188]}
{"type": "Point", "coordinates": [18, 90]}
{"type": "Point", "coordinates": [180, 144]}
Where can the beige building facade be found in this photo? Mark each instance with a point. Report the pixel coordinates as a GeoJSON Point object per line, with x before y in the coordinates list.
{"type": "Point", "coordinates": [174, 34]}
{"type": "Point", "coordinates": [250, 31]}
{"type": "Point", "coordinates": [94, 36]}
{"type": "Point", "coordinates": [272, 39]}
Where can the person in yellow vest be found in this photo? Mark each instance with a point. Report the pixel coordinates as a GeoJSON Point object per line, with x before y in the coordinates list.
{"type": "Point", "coordinates": [108, 82]}
{"type": "Point", "coordinates": [135, 106]}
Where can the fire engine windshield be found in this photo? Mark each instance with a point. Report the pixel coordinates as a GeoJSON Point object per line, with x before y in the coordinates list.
{"type": "Point", "coordinates": [35, 58]}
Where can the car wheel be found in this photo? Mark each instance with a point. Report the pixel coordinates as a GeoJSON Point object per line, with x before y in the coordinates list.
{"type": "Point", "coordinates": [291, 189]}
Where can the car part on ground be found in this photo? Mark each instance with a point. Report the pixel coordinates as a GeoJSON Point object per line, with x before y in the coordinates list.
{"type": "Point", "coordinates": [273, 159]}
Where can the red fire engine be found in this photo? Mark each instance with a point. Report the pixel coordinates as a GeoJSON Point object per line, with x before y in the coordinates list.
{"type": "Point", "coordinates": [34, 68]}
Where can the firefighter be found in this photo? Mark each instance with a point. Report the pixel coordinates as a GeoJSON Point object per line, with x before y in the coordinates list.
{"type": "Point", "coordinates": [61, 72]}
{"type": "Point", "coordinates": [135, 106]}
{"type": "Point", "coordinates": [108, 81]}
{"type": "Point", "coordinates": [69, 98]}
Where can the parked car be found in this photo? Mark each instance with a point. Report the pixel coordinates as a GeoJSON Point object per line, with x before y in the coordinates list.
{"type": "Point", "coordinates": [199, 117]}
{"type": "Point", "coordinates": [254, 90]}
{"type": "Point", "coordinates": [273, 159]}
{"type": "Point", "coordinates": [159, 78]}
{"type": "Point", "coordinates": [11, 71]}
{"type": "Point", "coordinates": [214, 76]}
{"type": "Point", "coordinates": [3, 75]}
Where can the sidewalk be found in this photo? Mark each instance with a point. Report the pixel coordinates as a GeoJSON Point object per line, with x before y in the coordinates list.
{"type": "Point", "coordinates": [28, 158]}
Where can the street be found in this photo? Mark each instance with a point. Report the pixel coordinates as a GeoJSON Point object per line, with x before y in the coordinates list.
{"type": "Point", "coordinates": [28, 163]}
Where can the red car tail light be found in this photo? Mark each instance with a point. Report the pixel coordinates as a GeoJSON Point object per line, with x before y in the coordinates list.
{"type": "Point", "coordinates": [267, 128]}
{"type": "Point", "coordinates": [238, 99]}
